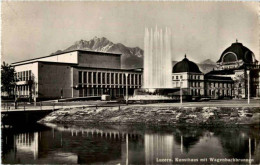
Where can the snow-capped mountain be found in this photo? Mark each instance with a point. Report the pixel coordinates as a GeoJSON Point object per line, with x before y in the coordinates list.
{"type": "Point", "coordinates": [131, 57]}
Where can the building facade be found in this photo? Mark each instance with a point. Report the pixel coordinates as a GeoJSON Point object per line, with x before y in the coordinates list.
{"type": "Point", "coordinates": [81, 73]}
{"type": "Point", "coordinates": [187, 76]}
{"type": "Point", "coordinates": [237, 71]}
{"type": "Point", "coordinates": [77, 73]}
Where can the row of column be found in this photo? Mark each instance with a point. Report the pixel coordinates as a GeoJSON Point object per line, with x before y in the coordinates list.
{"type": "Point", "coordinates": [133, 79]}
{"type": "Point", "coordinates": [114, 92]}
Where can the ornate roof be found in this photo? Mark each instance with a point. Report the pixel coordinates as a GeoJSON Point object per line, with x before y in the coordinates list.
{"type": "Point", "coordinates": [237, 51]}
{"type": "Point", "coordinates": [185, 66]}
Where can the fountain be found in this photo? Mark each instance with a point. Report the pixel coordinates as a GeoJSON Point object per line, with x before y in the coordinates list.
{"type": "Point", "coordinates": [157, 59]}
{"type": "Point", "coordinates": [157, 75]}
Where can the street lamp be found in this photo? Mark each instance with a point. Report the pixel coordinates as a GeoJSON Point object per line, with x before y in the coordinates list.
{"type": "Point", "coordinates": [126, 149]}
{"type": "Point", "coordinates": [126, 74]}
{"type": "Point", "coordinates": [180, 91]}
{"type": "Point", "coordinates": [248, 87]}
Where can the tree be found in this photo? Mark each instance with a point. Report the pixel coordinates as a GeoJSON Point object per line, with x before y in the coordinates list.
{"type": "Point", "coordinates": [7, 78]}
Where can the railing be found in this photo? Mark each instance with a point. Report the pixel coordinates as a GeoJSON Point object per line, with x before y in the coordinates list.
{"type": "Point", "coordinates": [23, 106]}
{"type": "Point", "coordinates": [29, 106]}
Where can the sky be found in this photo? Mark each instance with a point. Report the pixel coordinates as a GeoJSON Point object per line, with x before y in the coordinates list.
{"type": "Point", "coordinates": [202, 30]}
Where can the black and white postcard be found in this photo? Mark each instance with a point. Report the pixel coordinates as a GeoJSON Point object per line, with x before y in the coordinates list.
{"type": "Point", "coordinates": [130, 82]}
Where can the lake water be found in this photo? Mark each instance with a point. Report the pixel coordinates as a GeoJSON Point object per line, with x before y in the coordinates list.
{"type": "Point", "coordinates": [69, 144]}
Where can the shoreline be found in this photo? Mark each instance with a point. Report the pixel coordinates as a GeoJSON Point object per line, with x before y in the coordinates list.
{"type": "Point", "coordinates": [158, 115]}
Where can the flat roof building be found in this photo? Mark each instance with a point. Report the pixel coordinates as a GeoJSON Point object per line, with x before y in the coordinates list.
{"type": "Point", "coordinates": [77, 73]}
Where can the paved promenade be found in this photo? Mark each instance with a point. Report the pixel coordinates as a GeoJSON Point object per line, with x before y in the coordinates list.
{"type": "Point", "coordinates": [212, 103]}
{"type": "Point", "coordinates": [55, 106]}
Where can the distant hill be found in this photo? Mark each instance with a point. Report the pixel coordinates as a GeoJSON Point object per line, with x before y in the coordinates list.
{"type": "Point", "coordinates": [207, 65]}
{"type": "Point", "coordinates": [205, 68]}
{"type": "Point", "coordinates": [131, 57]}
{"type": "Point", "coordinates": [208, 61]}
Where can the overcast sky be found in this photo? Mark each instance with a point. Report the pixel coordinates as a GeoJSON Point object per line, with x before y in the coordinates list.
{"type": "Point", "coordinates": [201, 29]}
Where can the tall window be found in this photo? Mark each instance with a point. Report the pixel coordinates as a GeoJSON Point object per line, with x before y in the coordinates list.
{"type": "Point", "coordinates": [108, 78]}
{"type": "Point", "coordinates": [89, 77]}
{"type": "Point", "coordinates": [21, 77]}
{"type": "Point", "coordinates": [85, 77]}
{"type": "Point", "coordinates": [120, 78]}
{"type": "Point", "coordinates": [30, 74]}
{"type": "Point", "coordinates": [140, 79]}
{"type": "Point", "coordinates": [116, 75]}
{"type": "Point", "coordinates": [94, 77]}
{"type": "Point", "coordinates": [99, 78]}
{"type": "Point", "coordinates": [80, 77]}
{"type": "Point", "coordinates": [26, 75]}
{"type": "Point", "coordinates": [132, 79]}
{"type": "Point", "coordinates": [128, 79]}
{"type": "Point", "coordinates": [103, 78]}
{"type": "Point", "coordinates": [124, 79]}
{"type": "Point", "coordinates": [24, 72]}
{"type": "Point", "coordinates": [112, 78]}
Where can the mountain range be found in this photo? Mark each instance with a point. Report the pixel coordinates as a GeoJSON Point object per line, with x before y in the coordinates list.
{"type": "Point", "coordinates": [132, 57]}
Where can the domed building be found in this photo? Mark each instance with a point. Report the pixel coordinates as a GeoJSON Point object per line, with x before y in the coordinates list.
{"type": "Point", "coordinates": [236, 56]}
{"type": "Point", "coordinates": [230, 77]}
{"type": "Point", "coordinates": [228, 80]}
{"type": "Point", "coordinates": [187, 76]}
{"type": "Point", "coordinates": [185, 66]}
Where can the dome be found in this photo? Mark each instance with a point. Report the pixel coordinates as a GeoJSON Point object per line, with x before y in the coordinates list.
{"type": "Point", "coordinates": [237, 52]}
{"type": "Point", "coordinates": [185, 66]}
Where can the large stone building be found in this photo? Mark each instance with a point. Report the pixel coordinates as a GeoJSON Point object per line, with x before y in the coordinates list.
{"type": "Point", "coordinates": [236, 65]}
{"type": "Point", "coordinates": [77, 73]}
{"type": "Point", "coordinates": [187, 75]}
{"type": "Point", "coordinates": [228, 80]}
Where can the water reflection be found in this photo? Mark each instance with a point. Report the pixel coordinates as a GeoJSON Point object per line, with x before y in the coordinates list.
{"type": "Point", "coordinates": [158, 146]}
{"type": "Point", "coordinates": [125, 144]}
{"type": "Point", "coordinates": [27, 142]}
